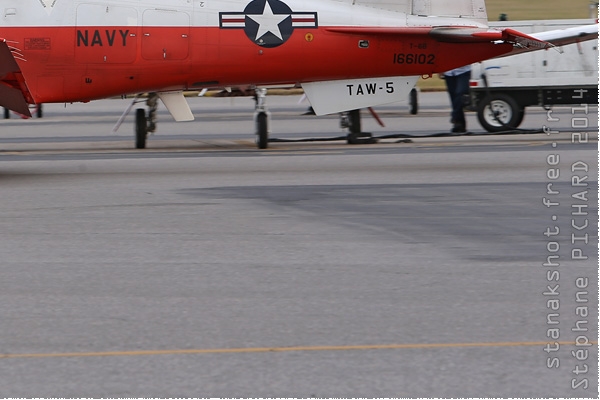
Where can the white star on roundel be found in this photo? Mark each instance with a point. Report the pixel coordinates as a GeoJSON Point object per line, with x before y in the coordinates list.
{"type": "Point", "coordinates": [269, 22]}
{"type": "Point", "coordinates": [48, 4]}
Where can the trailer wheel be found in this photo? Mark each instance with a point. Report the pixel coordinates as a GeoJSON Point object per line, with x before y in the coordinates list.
{"type": "Point", "coordinates": [500, 112]}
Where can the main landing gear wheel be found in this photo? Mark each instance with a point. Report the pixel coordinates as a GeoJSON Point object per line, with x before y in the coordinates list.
{"type": "Point", "coordinates": [262, 130]}
{"type": "Point", "coordinates": [413, 102]}
{"type": "Point", "coordinates": [352, 121]}
{"type": "Point", "coordinates": [500, 112]}
{"type": "Point", "coordinates": [261, 116]}
{"type": "Point", "coordinates": [141, 128]}
{"type": "Point", "coordinates": [6, 113]}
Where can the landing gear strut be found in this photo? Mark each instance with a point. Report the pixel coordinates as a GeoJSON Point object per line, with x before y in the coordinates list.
{"type": "Point", "coordinates": [145, 125]}
{"type": "Point", "coordinates": [261, 117]}
{"type": "Point", "coordinates": [351, 120]}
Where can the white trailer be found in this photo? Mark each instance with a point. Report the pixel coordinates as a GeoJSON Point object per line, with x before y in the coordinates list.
{"type": "Point", "coordinates": [501, 88]}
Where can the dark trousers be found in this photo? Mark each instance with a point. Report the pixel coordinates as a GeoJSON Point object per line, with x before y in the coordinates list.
{"type": "Point", "coordinates": [458, 87]}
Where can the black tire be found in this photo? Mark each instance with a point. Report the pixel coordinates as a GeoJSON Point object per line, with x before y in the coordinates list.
{"type": "Point", "coordinates": [6, 113]}
{"type": "Point", "coordinates": [354, 127]}
{"type": "Point", "coordinates": [413, 102]}
{"type": "Point", "coordinates": [40, 112]}
{"type": "Point", "coordinates": [355, 123]}
{"type": "Point", "coordinates": [499, 112]}
{"type": "Point", "coordinates": [262, 131]}
{"type": "Point", "coordinates": [141, 128]}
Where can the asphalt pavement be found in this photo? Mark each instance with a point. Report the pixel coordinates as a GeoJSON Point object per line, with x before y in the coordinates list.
{"type": "Point", "coordinates": [202, 267]}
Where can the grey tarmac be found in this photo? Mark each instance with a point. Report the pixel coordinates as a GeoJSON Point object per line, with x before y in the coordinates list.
{"type": "Point", "coordinates": [202, 267]}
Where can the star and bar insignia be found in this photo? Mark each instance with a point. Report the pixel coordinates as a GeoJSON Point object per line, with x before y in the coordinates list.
{"type": "Point", "coordinates": [268, 23]}
{"type": "Point", "coordinates": [48, 5]}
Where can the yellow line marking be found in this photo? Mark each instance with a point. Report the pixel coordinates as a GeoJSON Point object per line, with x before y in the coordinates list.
{"type": "Point", "coordinates": [287, 349]}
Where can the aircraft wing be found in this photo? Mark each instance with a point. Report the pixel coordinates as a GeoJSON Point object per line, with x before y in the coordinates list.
{"type": "Point", "coordinates": [561, 37]}
{"type": "Point", "coordinates": [14, 93]}
{"type": "Point", "coordinates": [454, 34]}
{"type": "Point", "coordinates": [457, 34]}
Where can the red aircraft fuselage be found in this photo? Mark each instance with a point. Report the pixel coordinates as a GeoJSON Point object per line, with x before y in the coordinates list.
{"type": "Point", "coordinates": [70, 61]}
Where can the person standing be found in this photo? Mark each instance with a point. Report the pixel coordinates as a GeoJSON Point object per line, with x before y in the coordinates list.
{"type": "Point", "coordinates": [457, 84]}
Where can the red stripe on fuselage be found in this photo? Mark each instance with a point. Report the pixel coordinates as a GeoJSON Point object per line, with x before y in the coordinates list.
{"type": "Point", "coordinates": [234, 20]}
{"type": "Point", "coordinates": [87, 63]}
